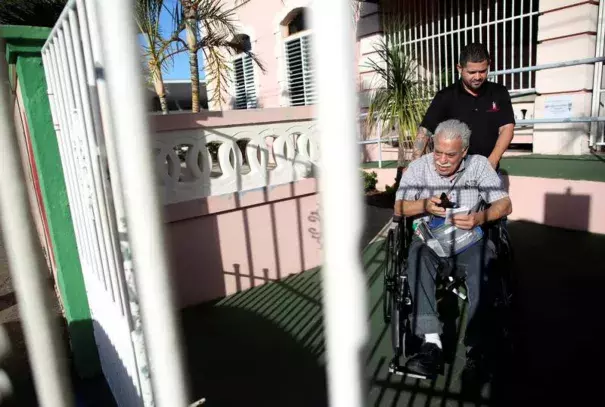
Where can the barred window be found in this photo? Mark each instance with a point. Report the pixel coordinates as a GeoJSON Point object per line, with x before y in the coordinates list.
{"type": "Point", "coordinates": [434, 32]}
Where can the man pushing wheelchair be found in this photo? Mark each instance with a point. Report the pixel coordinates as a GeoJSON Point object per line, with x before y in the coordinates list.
{"type": "Point", "coordinates": [448, 193]}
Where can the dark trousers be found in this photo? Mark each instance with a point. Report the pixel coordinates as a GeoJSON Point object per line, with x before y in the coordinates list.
{"type": "Point", "coordinates": [423, 269]}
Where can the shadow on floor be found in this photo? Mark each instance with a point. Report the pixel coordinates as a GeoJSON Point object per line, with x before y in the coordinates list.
{"type": "Point", "coordinates": [559, 354]}
{"type": "Point", "coordinates": [264, 347]}
{"type": "Point", "coordinates": [560, 275]}
{"type": "Point", "coordinates": [259, 348]}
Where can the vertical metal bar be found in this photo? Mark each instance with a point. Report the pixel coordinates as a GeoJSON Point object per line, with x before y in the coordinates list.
{"type": "Point", "coordinates": [465, 21]}
{"type": "Point", "coordinates": [403, 37]}
{"type": "Point", "coordinates": [28, 271]}
{"type": "Point", "coordinates": [433, 49]}
{"type": "Point", "coordinates": [346, 330]}
{"type": "Point", "coordinates": [454, 57]}
{"type": "Point", "coordinates": [598, 75]}
{"type": "Point", "coordinates": [489, 29]}
{"type": "Point", "coordinates": [446, 38]}
{"type": "Point", "coordinates": [473, 20]}
{"type": "Point", "coordinates": [512, 45]}
{"type": "Point", "coordinates": [459, 30]}
{"type": "Point", "coordinates": [504, 77]}
{"type": "Point", "coordinates": [400, 29]}
{"type": "Point", "coordinates": [496, 43]}
{"type": "Point", "coordinates": [531, 41]}
{"type": "Point", "coordinates": [416, 36]}
{"type": "Point", "coordinates": [481, 22]}
{"type": "Point", "coordinates": [421, 37]}
{"type": "Point", "coordinates": [521, 40]}
{"type": "Point", "coordinates": [440, 32]}
{"type": "Point", "coordinates": [408, 32]}
{"type": "Point", "coordinates": [143, 208]}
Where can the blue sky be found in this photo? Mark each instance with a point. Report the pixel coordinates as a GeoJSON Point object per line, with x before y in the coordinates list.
{"type": "Point", "coordinates": [180, 69]}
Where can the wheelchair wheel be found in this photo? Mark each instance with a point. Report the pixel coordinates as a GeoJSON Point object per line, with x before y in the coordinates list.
{"type": "Point", "coordinates": [398, 328]}
{"type": "Point", "coordinates": [403, 341]}
{"type": "Point", "coordinates": [389, 277]}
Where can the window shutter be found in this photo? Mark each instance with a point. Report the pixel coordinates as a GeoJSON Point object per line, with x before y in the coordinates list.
{"type": "Point", "coordinates": [245, 89]}
{"type": "Point", "coordinates": [301, 82]}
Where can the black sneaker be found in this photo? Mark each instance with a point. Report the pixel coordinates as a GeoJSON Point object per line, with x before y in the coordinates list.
{"type": "Point", "coordinates": [428, 362]}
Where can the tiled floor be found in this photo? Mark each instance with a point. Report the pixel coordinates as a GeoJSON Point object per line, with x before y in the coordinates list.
{"type": "Point", "coordinates": [264, 347]}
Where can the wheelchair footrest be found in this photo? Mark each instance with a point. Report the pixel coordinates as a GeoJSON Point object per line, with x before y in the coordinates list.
{"type": "Point", "coordinates": [397, 369]}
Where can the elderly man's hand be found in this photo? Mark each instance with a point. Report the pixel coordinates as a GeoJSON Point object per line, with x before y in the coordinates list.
{"type": "Point", "coordinates": [431, 207]}
{"type": "Point", "coordinates": [467, 222]}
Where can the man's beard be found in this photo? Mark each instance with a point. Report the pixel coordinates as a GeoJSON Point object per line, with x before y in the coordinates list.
{"type": "Point", "coordinates": [444, 168]}
{"type": "Point", "coordinates": [474, 85]}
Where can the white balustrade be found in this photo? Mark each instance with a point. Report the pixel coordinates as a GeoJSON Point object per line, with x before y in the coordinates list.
{"type": "Point", "coordinates": [275, 153]}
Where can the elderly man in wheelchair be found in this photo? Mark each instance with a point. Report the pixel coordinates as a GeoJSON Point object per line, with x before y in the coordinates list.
{"type": "Point", "coordinates": [453, 199]}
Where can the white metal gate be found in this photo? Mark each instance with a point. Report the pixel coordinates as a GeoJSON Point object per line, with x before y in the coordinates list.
{"type": "Point", "coordinates": [434, 32]}
{"type": "Point", "coordinates": [73, 61]}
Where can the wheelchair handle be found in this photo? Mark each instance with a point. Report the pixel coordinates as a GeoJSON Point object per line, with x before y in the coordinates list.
{"type": "Point", "coordinates": [397, 218]}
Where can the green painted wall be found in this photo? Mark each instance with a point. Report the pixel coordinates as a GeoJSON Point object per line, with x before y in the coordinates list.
{"type": "Point", "coordinates": [23, 50]}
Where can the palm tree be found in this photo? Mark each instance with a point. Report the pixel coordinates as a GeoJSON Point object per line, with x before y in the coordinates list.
{"type": "Point", "coordinates": [219, 36]}
{"type": "Point", "coordinates": [157, 50]}
{"type": "Point", "coordinates": [40, 13]}
{"type": "Point", "coordinates": [401, 100]}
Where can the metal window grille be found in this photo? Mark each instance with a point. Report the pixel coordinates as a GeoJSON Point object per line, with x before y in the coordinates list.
{"type": "Point", "coordinates": [301, 83]}
{"type": "Point", "coordinates": [435, 31]}
{"type": "Point", "coordinates": [245, 88]}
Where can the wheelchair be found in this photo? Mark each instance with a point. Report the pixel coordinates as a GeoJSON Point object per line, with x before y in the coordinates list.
{"type": "Point", "coordinates": [397, 298]}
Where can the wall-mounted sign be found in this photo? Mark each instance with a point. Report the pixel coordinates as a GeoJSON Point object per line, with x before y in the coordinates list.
{"type": "Point", "coordinates": [558, 107]}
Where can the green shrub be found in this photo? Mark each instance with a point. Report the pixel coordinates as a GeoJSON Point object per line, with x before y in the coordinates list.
{"type": "Point", "coordinates": [390, 189]}
{"type": "Point", "coordinates": [369, 181]}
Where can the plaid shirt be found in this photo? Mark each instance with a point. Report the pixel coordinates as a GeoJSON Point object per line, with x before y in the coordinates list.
{"type": "Point", "coordinates": [474, 182]}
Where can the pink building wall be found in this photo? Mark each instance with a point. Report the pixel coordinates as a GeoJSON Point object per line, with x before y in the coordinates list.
{"type": "Point", "coordinates": [257, 19]}
{"type": "Point", "coordinates": [226, 243]}
{"type": "Point", "coordinates": [260, 19]}
{"type": "Point", "coordinates": [223, 244]}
